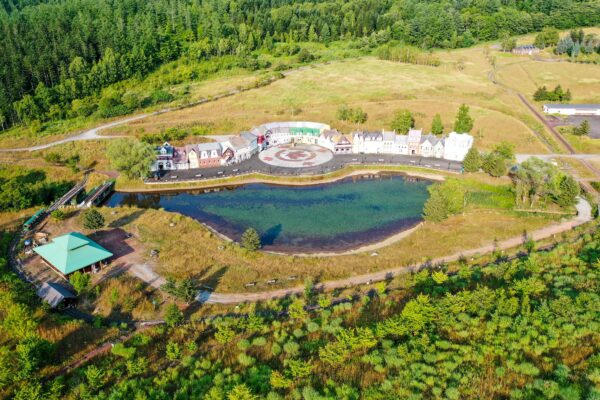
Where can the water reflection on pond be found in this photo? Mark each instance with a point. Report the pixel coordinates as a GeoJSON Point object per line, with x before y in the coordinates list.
{"type": "Point", "coordinates": [326, 217]}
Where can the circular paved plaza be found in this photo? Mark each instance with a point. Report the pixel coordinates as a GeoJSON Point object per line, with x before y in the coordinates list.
{"type": "Point", "coordinates": [295, 156]}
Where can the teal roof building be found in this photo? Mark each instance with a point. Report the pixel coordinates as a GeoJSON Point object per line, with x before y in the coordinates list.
{"type": "Point", "coordinates": [72, 252]}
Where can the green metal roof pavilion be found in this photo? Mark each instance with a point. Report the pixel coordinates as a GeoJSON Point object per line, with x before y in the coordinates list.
{"type": "Point", "coordinates": [72, 252]}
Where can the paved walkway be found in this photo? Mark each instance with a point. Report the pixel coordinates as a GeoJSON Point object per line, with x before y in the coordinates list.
{"type": "Point", "coordinates": [337, 162]}
{"type": "Point", "coordinates": [584, 214]}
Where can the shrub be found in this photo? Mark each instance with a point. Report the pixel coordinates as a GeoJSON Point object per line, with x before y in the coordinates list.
{"type": "Point", "coordinates": [224, 334]}
{"type": "Point", "coordinates": [137, 366]}
{"type": "Point", "coordinates": [245, 360]}
{"type": "Point", "coordinates": [121, 350]}
{"type": "Point", "coordinates": [494, 164]}
{"type": "Point", "coordinates": [354, 115]}
{"type": "Point", "coordinates": [92, 219]}
{"type": "Point", "coordinates": [583, 129]}
{"type": "Point", "coordinates": [291, 348]}
{"type": "Point", "coordinates": [243, 344]}
{"type": "Point", "coordinates": [173, 351]}
{"type": "Point", "coordinates": [445, 199]}
{"type": "Point", "coordinates": [58, 215]}
{"type": "Point", "coordinates": [275, 349]}
{"type": "Point", "coordinates": [161, 96]}
{"type": "Point", "coordinates": [80, 281]}
{"type": "Point", "coordinates": [173, 315]}
{"type": "Point", "coordinates": [259, 341]}
{"type": "Point", "coordinates": [305, 56]}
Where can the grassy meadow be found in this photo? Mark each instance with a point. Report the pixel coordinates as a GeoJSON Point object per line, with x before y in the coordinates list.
{"type": "Point", "coordinates": [381, 88]}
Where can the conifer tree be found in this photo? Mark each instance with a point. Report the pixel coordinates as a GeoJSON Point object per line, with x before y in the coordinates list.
{"type": "Point", "coordinates": [472, 161]}
{"type": "Point", "coordinates": [251, 240]}
{"type": "Point", "coordinates": [464, 122]}
{"type": "Point", "coordinates": [92, 219]}
{"type": "Point", "coordinates": [437, 127]}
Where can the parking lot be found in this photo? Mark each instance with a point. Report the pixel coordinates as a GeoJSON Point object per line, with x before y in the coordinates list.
{"type": "Point", "coordinates": [576, 121]}
{"type": "Point", "coordinates": [339, 161]}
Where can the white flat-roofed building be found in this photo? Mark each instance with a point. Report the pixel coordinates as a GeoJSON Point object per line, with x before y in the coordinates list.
{"type": "Point", "coordinates": [456, 146]}
{"type": "Point", "coordinates": [276, 133]}
{"type": "Point", "coordinates": [572, 109]}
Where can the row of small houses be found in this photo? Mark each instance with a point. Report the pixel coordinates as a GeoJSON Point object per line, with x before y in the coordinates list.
{"type": "Point", "coordinates": [241, 147]}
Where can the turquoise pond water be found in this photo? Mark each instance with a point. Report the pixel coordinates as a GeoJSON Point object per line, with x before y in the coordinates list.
{"type": "Point", "coordinates": [333, 216]}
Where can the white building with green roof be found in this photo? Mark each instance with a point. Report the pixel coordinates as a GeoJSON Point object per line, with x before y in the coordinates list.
{"type": "Point", "coordinates": [73, 252]}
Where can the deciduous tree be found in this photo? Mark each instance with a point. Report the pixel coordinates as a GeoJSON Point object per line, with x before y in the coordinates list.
{"type": "Point", "coordinates": [130, 157]}
{"type": "Point", "coordinates": [403, 121]}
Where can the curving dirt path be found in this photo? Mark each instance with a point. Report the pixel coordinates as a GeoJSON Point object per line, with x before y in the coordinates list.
{"type": "Point", "coordinates": [584, 214]}
{"type": "Point", "coordinates": [92, 134]}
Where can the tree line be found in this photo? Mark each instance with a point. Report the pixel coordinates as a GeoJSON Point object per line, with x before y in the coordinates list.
{"type": "Point", "coordinates": [56, 56]}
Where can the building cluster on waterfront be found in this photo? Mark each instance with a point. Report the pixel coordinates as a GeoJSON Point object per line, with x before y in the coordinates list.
{"type": "Point", "coordinates": [236, 149]}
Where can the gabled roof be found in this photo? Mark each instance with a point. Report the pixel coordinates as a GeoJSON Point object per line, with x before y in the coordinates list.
{"type": "Point", "coordinates": [526, 47]}
{"type": "Point", "coordinates": [343, 141]}
{"type": "Point", "coordinates": [389, 136]}
{"type": "Point", "coordinates": [210, 146]}
{"type": "Point", "coordinates": [414, 135]}
{"type": "Point", "coordinates": [373, 136]}
{"type": "Point", "coordinates": [401, 139]}
{"type": "Point", "coordinates": [574, 106]}
{"type": "Point", "coordinates": [72, 252]}
{"type": "Point", "coordinates": [238, 143]}
{"type": "Point", "coordinates": [330, 133]}
{"type": "Point", "coordinates": [247, 136]}
{"type": "Point", "coordinates": [53, 293]}
{"type": "Point", "coordinates": [431, 139]}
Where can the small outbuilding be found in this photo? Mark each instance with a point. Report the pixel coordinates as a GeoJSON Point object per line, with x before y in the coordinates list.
{"type": "Point", "coordinates": [526, 50]}
{"type": "Point", "coordinates": [55, 294]}
{"type": "Point", "coordinates": [573, 109]}
{"type": "Point", "coordinates": [73, 252]}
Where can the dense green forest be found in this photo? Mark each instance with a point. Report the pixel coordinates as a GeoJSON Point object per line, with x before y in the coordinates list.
{"type": "Point", "coordinates": [23, 188]}
{"type": "Point", "coordinates": [57, 55]}
{"type": "Point", "coordinates": [522, 328]}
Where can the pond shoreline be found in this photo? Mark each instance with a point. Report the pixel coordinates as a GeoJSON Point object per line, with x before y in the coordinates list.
{"type": "Point", "coordinates": [343, 240]}
{"type": "Point", "coordinates": [193, 185]}
{"type": "Point", "coordinates": [396, 237]}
